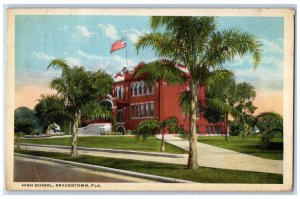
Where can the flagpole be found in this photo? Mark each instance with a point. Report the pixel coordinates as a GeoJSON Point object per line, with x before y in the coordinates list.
{"type": "Point", "coordinates": [126, 51]}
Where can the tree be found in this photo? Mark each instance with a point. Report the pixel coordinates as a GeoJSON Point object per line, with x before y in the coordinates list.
{"type": "Point", "coordinates": [154, 126]}
{"type": "Point", "coordinates": [25, 121]}
{"type": "Point", "coordinates": [269, 124]}
{"type": "Point", "coordinates": [80, 89]}
{"type": "Point", "coordinates": [196, 43]}
{"type": "Point", "coordinates": [50, 110]}
{"type": "Point", "coordinates": [238, 97]}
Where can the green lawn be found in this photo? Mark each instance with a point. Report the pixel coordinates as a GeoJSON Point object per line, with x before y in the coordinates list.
{"type": "Point", "coordinates": [203, 174]}
{"type": "Point", "coordinates": [249, 145]}
{"type": "Point", "coordinates": [113, 142]}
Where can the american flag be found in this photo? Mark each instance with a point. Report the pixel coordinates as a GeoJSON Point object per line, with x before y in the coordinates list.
{"type": "Point", "coordinates": [119, 44]}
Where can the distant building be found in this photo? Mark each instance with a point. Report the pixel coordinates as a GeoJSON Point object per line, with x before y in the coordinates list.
{"type": "Point", "coordinates": [133, 101]}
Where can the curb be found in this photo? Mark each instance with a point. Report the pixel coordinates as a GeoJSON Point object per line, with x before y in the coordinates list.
{"type": "Point", "coordinates": [107, 169]}
{"type": "Point", "coordinates": [110, 150]}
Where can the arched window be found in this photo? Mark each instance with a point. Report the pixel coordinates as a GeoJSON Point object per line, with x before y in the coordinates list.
{"type": "Point", "coordinates": [121, 92]}
{"type": "Point", "coordinates": [152, 88]}
{"type": "Point", "coordinates": [117, 92]}
{"type": "Point", "coordinates": [137, 88]}
{"type": "Point", "coordinates": [147, 110]}
{"type": "Point", "coordinates": [142, 88]}
{"type": "Point", "coordinates": [133, 89]}
{"type": "Point", "coordinates": [147, 88]}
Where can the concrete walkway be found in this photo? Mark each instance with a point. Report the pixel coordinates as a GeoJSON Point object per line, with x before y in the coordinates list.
{"type": "Point", "coordinates": [216, 157]}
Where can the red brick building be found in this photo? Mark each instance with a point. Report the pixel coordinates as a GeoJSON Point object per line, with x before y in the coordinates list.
{"type": "Point", "coordinates": [134, 101]}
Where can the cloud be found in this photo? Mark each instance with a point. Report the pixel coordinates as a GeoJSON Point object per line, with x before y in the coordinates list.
{"type": "Point", "coordinates": [73, 61]}
{"type": "Point", "coordinates": [111, 64]}
{"type": "Point", "coordinates": [134, 34]}
{"type": "Point", "coordinates": [268, 76]}
{"type": "Point", "coordinates": [43, 56]}
{"type": "Point", "coordinates": [109, 30]}
{"type": "Point", "coordinates": [66, 28]}
{"type": "Point", "coordinates": [271, 46]}
{"type": "Point", "coordinates": [88, 56]}
{"type": "Point", "coordinates": [83, 30]}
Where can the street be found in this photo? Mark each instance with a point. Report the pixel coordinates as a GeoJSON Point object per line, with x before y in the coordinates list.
{"type": "Point", "coordinates": [32, 170]}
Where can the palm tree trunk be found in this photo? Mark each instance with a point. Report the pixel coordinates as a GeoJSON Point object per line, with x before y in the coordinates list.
{"type": "Point", "coordinates": [74, 152]}
{"type": "Point", "coordinates": [18, 144]}
{"type": "Point", "coordinates": [70, 128]}
{"type": "Point", "coordinates": [226, 127]}
{"type": "Point", "coordinates": [162, 148]}
{"type": "Point", "coordinates": [193, 157]}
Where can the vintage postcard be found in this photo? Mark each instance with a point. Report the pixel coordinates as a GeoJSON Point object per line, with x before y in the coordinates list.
{"type": "Point", "coordinates": [149, 99]}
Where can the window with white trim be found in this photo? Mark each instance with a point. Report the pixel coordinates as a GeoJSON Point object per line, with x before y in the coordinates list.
{"type": "Point", "coordinates": [142, 88]}
{"type": "Point", "coordinates": [133, 89]}
{"type": "Point", "coordinates": [147, 109]}
{"type": "Point", "coordinates": [142, 110]}
{"type": "Point", "coordinates": [151, 109]}
{"type": "Point", "coordinates": [137, 89]}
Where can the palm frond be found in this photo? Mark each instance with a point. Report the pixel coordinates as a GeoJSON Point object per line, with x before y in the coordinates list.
{"type": "Point", "coordinates": [59, 63]}
{"type": "Point", "coordinates": [161, 70]}
{"type": "Point", "coordinates": [163, 45]}
{"type": "Point", "coordinates": [184, 102]}
{"type": "Point", "coordinates": [227, 44]}
{"type": "Point", "coordinates": [223, 107]}
{"type": "Point", "coordinates": [217, 76]}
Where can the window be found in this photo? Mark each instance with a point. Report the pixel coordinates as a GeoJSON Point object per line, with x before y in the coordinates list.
{"type": "Point", "coordinates": [151, 109]}
{"type": "Point", "coordinates": [197, 129]}
{"type": "Point", "coordinates": [218, 130]}
{"type": "Point", "coordinates": [137, 89]}
{"type": "Point", "coordinates": [133, 89]}
{"type": "Point", "coordinates": [142, 87]}
{"type": "Point", "coordinates": [147, 88]}
{"type": "Point", "coordinates": [147, 109]}
{"type": "Point", "coordinates": [152, 88]}
{"type": "Point", "coordinates": [121, 92]}
{"type": "Point", "coordinates": [137, 110]}
{"type": "Point", "coordinates": [142, 110]}
{"type": "Point", "coordinates": [117, 92]}
{"type": "Point", "coordinates": [211, 130]}
{"type": "Point", "coordinates": [132, 110]}
{"type": "Point", "coordinates": [207, 129]}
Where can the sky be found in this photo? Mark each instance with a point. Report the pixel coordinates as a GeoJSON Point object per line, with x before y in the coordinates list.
{"type": "Point", "coordinates": [86, 40]}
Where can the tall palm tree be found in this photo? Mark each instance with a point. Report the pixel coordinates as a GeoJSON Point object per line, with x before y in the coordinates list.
{"type": "Point", "coordinates": [80, 91]}
{"type": "Point", "coordinates": [196, 43]}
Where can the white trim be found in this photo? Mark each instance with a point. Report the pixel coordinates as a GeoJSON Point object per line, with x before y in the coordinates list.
{"type": "Point", "coordinates": [136, 118]}
{"type": "Point", "coordinates": [112, 104]}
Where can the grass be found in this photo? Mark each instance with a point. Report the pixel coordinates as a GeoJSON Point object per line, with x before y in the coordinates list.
{"type": "Point", "coordinates": [250, 145]}
{"type": "Point", "coordinates": [151, 144]}
{"type": "Point", "coordinates": [203, 174]}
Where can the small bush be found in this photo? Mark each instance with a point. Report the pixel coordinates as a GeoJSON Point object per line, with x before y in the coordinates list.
{"type": "Point", "coordinates": [116, 133]}
{"type": "Point", "coordinates": [235, 128]}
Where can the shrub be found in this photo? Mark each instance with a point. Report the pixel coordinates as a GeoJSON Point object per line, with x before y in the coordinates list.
{"type": "Point", "coordinates": [271, 125]}
{"type": "Point", "coordinates": [235, 128]}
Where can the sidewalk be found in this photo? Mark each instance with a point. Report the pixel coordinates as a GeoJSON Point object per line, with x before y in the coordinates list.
{"type": "Point", "coordinates": [216, 157]}
{"type": "Point", "coordinates": [208, 156]}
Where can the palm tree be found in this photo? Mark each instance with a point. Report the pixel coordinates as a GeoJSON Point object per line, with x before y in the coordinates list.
{"type": "Point", "coordinates": [196, 43]}
{"type": "Point", "coordinates": [80, 91]}
{"type": "Point", "coordinates": [150, 126]}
